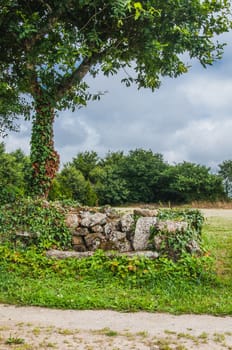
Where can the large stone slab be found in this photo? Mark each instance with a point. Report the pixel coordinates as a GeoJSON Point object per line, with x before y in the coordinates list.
{"type": "Point", "coordinates": [59, 254]}
{"type": "Point", "coordinates": [142, 232]}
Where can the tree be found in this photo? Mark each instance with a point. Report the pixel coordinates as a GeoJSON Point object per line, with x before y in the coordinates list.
{"type": "Point", "coordinates": [85, 162]}
{"type": "Point", "coordinates": [13, 174]}
{"type": "Point", "coordinates": [225, 171]}
{"type": "Point", "coordinates": [186, 182]}
{"type": "Point", "coordinates": [71, 184]}
{"type": "Point", "coordinates": [142, 170]}
{"type": "Point", "coordinates": [110, 186]}
{"type": "Point", "coordinates": [48, 47]}
{"type": "Point", "coordinates": [11, 105]}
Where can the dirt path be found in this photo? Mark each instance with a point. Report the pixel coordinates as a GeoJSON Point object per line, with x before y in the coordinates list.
{"type": "Point", "coordinates": [41, 328]}
{"type": "Point", "coordinates": [225, 213]}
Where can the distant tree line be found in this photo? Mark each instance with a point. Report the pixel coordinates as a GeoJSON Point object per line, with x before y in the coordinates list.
{"type": "Point", "coordinates": [118, 178]}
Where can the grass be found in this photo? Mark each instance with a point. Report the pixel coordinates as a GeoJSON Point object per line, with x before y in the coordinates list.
{"type": "Point", "coordinates": [31, 279]}
{"type": "Point", "coordinates": [217, 236]}
{"type": "Point", "coordinates": [14, 340]}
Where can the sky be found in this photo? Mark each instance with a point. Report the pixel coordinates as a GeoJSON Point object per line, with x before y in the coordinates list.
{"type": "Point", "coordinates": [187, 119]}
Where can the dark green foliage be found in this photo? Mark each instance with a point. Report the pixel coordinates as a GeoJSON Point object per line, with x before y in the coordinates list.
{"type": "Point", "coordinates": [85, 162]}
{"type": "Point", "coordinates": [142, 170]}
{"type": "Point", "coordinates": [225, 171]}
{"type": "Point", "coordinates": [186, 182]}
{"type": "Point", "coordinates": [14, 170]}
{"type": "Point", "coordinates": [139, 176]}
{"type": "Point", "coordinates": [110, 186]}
{"type": "Point", "coordinates": [11, 106]}
{"type": "Point", "coordinates": [175, 243]}
{"type": "Point", "coordinates": [40, 223]}
{"type": "Point", "coordinates": [71, 184]}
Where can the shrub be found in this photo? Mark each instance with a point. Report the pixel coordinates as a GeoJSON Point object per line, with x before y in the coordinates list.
{"type": "Point", "coordinates": [174, 243]}
{"type": "Point", "coordinates": [39, 222]}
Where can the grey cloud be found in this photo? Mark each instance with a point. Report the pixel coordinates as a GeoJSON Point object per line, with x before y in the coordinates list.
{"type": "Point", "coordinates": [188, 118]}
{"type": "Point", "coordinates": [68, 130]}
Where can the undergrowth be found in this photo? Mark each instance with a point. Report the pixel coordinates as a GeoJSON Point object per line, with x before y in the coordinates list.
{"type": "Point", "coordinates": [122, 283]}
{"type": "Point", "coordinates": [37, 223]}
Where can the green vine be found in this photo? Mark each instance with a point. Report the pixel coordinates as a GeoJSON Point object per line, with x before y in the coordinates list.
{"type": "Point", "coordinates": [44, 158]}
{"type": "Point", "coordinates": [193, 217]}
{"type": "Point", "coordinates": [40, 223]}
{"type": "Point", "coordinates": [173, 244]}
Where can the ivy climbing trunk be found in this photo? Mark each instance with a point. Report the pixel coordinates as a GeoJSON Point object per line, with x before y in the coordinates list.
{"type": "Point", "coordinates": [44, 158]}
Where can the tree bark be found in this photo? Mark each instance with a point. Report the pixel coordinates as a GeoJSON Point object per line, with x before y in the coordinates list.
{"type": "Point", "coordinates": [44, 158]}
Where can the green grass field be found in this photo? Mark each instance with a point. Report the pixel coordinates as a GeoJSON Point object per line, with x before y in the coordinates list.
{"type": "Point", "coordinates": [217, 235]}
{"type": "Point", "coordinates": [192, 286]}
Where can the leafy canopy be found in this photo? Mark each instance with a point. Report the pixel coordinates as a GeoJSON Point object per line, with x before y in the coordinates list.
{"type": "Point", "coordinates": [56, 43]}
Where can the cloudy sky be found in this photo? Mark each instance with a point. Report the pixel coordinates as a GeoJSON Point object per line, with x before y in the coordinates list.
{"type": "Point", "coordinates": [188, 118]}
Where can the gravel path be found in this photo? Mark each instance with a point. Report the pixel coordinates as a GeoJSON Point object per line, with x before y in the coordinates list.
{"type": "Point", "coordinates": [225, 213]}
{"type": "Point", "coordinates": [41, 328]}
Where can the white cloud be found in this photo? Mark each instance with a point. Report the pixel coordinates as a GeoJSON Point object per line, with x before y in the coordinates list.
{"type": "Point", "coordinates": [14, 142]}
{"type": "Point", "coordinates": [92, 137]}
{"type": "Point", "coordinates": [208, 92]}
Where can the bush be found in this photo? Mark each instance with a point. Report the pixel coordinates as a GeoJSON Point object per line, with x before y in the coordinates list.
{"type": "Point", "coordinates": [39, 222]}
{"type": "Point", "coordinates": [180, 240]}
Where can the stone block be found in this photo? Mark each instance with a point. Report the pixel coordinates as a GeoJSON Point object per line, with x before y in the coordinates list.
{"type": "Point", "coordinates": [142, 232]}
{"type": "Point", "coordinates": [90, 220]}
{"type": "Point", "coordinates": [72, 220]}
{"type": "Point", "coordinates": [172, 226]}
{"type": "Point", "coordinates": [146, 212]}
{"type": "Point", "coordinates": [127, 223]}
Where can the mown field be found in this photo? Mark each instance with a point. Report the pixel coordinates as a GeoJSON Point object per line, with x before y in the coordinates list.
{"type": "Point", "coordinates": [193, 285]}
{"type": "Point", "coordinates": [217, 234]}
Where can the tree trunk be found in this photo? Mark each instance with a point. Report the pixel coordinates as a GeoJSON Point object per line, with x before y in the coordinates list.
{"type": "Point", "coordinates": [44, 158]}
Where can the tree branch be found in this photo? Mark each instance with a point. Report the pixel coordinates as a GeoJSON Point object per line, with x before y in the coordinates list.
{"type": "Point", "coordinates": [76, 77]}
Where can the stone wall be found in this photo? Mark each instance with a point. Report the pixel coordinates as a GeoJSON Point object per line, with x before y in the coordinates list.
{"type": "Point", "coordinates": [108, 230]}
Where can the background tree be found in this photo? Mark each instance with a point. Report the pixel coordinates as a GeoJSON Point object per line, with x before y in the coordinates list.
{"type": "Point", "coordinates": [11, 106]}
{"type": "Point", "coordinates": [85, 162]}
{"type": "Point", "coordinates": [48, 47]}
{"type": "Point", "coordinates": [108, 179]}
{"type": "Point", "coordinates": [13, 174]}
{"type": "Point", "coordinates": [139, 176]}
{"type": "Point", "coordinates": [141, 170]}
{"type": "Point", "coordinates": [73, 181]}
{"type": "Point", "coordinates": [225, 171]}
{"type": "Point", "coordinates": [187, 182]}
{"type": "Point", "coordinates": [71, 184]}
{"type": "Point", "coordinates": [109, 184]}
